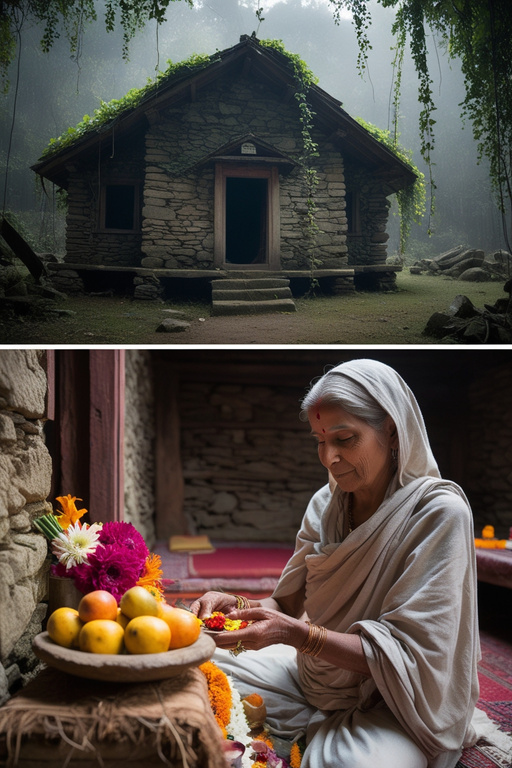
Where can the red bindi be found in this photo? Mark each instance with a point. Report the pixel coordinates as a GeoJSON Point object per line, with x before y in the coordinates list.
{"type": "Point", "coordinates": [318, 415]}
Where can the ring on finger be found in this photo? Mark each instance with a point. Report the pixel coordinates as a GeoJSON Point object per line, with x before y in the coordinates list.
{"type": "Point", "coordinates": [239, 648]}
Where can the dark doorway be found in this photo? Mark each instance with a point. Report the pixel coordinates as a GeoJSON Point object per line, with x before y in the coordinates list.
{"type": "Point", "coordinates": [246, 220]}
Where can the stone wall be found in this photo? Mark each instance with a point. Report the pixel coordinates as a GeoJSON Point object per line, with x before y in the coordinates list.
{"type": "Point", "coordinates": [178, 211]}
{"type": "Point", "coordinates": [86, 243]}
{"type": "Point", "coordinates": [139, 449]}
{"type": "Point", "coordinates": [488, 480]}
{"type": "Point", "coordinates": [369, 245]}
{"type": "Point", "coordinates": [250, 465]}
{"type": "Point", "coordinates": [25, 478]}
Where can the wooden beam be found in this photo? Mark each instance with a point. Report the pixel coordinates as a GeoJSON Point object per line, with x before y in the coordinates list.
{"type": "Point", "coordinates": [106, 423]}
{"type": "Point", "coordinates": [170, 515]}
{"type": "Point", "coordinates": [22, 250]}
{"type": "Point", "coordinates": [71, 439]}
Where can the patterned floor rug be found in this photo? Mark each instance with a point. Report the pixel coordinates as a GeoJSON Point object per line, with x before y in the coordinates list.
{"type": "Point", "coordinates": [495, 675]}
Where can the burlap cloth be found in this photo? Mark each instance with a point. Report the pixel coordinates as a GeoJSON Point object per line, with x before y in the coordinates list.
{"type": "Point", "coordinates": [61, 720]}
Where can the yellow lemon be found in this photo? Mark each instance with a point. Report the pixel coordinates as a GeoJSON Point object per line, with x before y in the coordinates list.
{"type": "Point", "coordinates": [101, 636]}
{"type": "Point", "coordinates": [147, 634]}
{"type": "Point", "coordinates": [137, 601]}
{"type": "Point", "coordinates": [64, 627]}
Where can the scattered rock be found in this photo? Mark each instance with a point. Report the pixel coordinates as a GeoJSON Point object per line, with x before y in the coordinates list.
{"type": "Point", "coordinates": [176, 312]}
{"type": "Point", "coordinates": [172, 326]}
{"type": "Point", "coordinates": [462, 307]}
{"type": "Point", "coordinates": [468, 264]}
{"type": "Point", "coordinates": [468, 324]}
{"type": "Point", "coordinates": [474, 275]}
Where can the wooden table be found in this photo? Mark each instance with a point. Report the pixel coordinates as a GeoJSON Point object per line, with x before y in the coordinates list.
{"type": "Point", "coordinates": [494, 566]}
{"type": "Point", "coordinates": [60, 720]}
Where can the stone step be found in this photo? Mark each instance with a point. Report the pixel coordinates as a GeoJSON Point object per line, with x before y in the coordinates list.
{"type": "Point", "coordinates": [252, 307]}
{"type": "Point", "coordinates": [251, 294]}
{"type": "Point", "coordinates": [258, 282]}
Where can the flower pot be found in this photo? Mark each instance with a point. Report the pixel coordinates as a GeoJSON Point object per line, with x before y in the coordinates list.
{"type": "Point", "coordinates": [62, 592]}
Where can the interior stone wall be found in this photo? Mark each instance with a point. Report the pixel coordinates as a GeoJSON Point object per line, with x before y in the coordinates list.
{"type": "Point", "coordinates": [25, 479]}
{"type": "Point", "coordinates": [250, 465]}
{"type": "Point", "coordinates": [488, 480]}
{"type": "Point", "coordinates": [139, 439]}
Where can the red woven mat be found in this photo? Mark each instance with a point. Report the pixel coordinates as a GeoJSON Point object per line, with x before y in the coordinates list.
{"type": "Point", "coordinates": [240, 562]}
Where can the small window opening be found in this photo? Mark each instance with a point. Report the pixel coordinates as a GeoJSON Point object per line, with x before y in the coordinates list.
{"type": "Point", "coordinates": [246, 220]}
{"type": "Point", "coordinates": [353, 212]}
{"type": "Point", "coordinates": [120, 206]}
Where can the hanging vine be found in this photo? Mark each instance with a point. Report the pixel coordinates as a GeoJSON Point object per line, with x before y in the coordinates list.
{"type": "Point", "coordinates": [304, 79]}
{"type": "Point", "coordinates": [477, 32]}
{"type": "Point", "coordinates": [70, 17]}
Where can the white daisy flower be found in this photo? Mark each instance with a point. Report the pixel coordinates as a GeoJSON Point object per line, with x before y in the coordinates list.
{"type": "Point", "coordinates": [76, 543]}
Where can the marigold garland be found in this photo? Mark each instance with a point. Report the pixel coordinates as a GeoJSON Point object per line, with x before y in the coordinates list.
{"type": "Point", "coordinates": [221, 702]}
{"type": "Point", "coordinates": [219, 693]}
{"type": "Point", "coordinates": [295, 756]}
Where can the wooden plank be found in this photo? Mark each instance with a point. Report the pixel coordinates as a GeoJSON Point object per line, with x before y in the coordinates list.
{"type": "Point", "coordinates": [22, 249]}
{"type": "Point", "coordinates": [106, 424]}
{"type": "Point", "coordinates": [71, 470]}
{"type": "Point", "coordinates": [170, 516]}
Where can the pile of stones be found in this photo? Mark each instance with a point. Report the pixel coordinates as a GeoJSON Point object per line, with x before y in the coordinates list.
{"type": "Point", "coordinates": [469, 264]}
{"type": "Point", "coordinates": [464, 323]}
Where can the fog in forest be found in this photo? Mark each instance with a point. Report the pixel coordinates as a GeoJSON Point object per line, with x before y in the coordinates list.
{"type": "Point", "coordinates": [55, 91]}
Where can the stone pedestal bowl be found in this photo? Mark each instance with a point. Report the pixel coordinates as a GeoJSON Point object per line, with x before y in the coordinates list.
{"type": "Point", "coordinates": [123, 668]}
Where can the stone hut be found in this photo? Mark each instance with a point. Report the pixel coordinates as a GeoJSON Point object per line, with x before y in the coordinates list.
{"type": "Point", "coordinates": [202, 175]}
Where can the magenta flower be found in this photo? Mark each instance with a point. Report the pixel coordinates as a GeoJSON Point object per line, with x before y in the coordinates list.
{"type": "Point", "coordinates": [126, 536]}
{"type": "Point", "coordinates": [110, 567]}
{"type": "Point", "coordinates": [115, 565]}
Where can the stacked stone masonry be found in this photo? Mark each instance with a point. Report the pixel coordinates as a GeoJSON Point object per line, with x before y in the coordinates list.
{"type": "Point", "coordinates": [139, 440]}
{"type": "Point", "coordinates": [249, 463]}
{"type": "Point", "coordinates": [25, 477]}
{"type": "Point", "coordinates": [489, 468]}
{"type": "Point", "coordinates": [177, 186]}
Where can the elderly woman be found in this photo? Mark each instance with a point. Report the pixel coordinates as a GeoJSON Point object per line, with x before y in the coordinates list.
{"type": "Point", "coordinates": [378, 599]}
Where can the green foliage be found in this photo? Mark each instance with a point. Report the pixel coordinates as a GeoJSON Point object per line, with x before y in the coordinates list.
{"type": "Point", "coordinates": [478, 33]}
{"type": "Point", "coordinates": [109, 111]}
{"type": "Point", "coordinates": [70, 17]}
{"type": "Point", "coordinates": [411, 200]}
{"type": "Point", "coordinates": [304, 79]}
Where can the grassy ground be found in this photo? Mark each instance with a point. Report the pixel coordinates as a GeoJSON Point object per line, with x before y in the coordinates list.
{"type": "Point", "coordinates": [357, 319]}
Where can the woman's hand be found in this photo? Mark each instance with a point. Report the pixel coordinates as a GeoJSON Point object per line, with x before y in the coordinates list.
{"type": "Point", "coordinates": [213, 601]}
{"type": "Point", "coordinates": [268, 627]}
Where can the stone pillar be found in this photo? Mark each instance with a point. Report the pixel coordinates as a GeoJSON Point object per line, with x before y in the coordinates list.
{"type": "Point", "coordinates": [25, 481]}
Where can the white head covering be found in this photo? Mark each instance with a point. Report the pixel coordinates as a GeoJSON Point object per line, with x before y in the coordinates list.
{"type": "Point", "coordinates": [387, 387]}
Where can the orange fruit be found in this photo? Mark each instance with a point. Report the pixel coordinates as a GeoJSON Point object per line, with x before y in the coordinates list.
{"type": "Point", "coordinates": [101, 636]}
{"type": "Point", "coordinates": [184, 625]}
{"type": "Point", "coordinates": [64, 627]}
{"type": "Point", "coordinates": [137, 601]}
{"type": "Point", "coordinates": [147, 634]}
{"type": "Point", "coordinates": [98, 604]}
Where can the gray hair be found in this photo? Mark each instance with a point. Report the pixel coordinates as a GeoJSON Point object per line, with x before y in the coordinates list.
{"type": "Point", "coordinates": [336, 389]}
